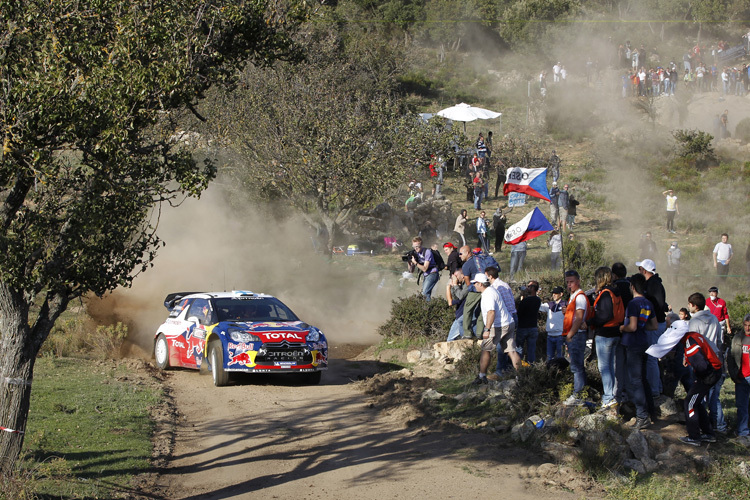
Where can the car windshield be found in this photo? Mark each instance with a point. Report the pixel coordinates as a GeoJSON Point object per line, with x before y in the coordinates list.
{"type": "Point", "coordinates": [255, 309]}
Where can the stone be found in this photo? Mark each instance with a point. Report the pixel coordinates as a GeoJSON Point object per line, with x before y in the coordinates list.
{"type": "Point", "coordinates": [668, 407]}
{"type": "Point", "coordinates": [591, 422]}
{"type": "Point", "coordinates": [654, 440]}
{"type": "Point", "coordinates": [633, 464]}
{"type": "Point", "coordinates": [432, 395]}
{"type": "Point", "coordinates": [560, 452]}
{"type": "Point", "coordinates": [650, 464]}
{"type": "Point", "coordinates": [638, 445]}
{"type": "Point", "coordinates": [453, 350]}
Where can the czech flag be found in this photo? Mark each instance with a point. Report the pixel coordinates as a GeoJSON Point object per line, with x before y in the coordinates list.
{"type": "Point", "coordinates": [530, 181]}
{"type": "Point", "coordinates": [533, 225]}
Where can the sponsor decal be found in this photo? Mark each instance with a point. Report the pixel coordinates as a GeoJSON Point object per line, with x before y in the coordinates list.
{"type": "Point", "coordinates": [239, 347]}
{"type": "Point", "coordinates": [284, 336]}
{"type": "Point", "coordinates": [319, 345]}
{"type": "Point", "coordinates": [246, 358]}
{"type": "Point", "coordinates": [179, 344]}
{"type": "Point", "coordinates": [319, 358]}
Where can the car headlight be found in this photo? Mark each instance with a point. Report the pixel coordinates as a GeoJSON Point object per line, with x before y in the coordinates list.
{"type": "Point", "coordinates": [239, 335]}
{"type": "Point", "coordinates": [314, 335]}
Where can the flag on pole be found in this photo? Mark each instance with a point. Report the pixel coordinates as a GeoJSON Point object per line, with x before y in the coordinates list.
{"type": "Point", "coordinates": [533, 225]}
{"type": "Point", "coordinates": [530, 181]}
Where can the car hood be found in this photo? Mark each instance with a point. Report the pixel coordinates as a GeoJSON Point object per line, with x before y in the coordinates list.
{"type": "Point", "coordinates": [273, 331]}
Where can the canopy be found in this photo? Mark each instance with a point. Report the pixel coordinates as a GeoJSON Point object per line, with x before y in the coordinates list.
{"type": "Point", "coordinates": [465, 113]}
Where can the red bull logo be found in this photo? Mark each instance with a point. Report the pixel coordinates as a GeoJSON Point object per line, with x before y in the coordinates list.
{"type": "Point", "coordinates": [318, 358]}
{"type": "Point", "coordinates": [246, 358]}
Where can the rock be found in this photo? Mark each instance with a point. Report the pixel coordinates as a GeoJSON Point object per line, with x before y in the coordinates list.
{"type": "Point", "coordinates": [666, 455]}
{"type": "Point", "coordinates": [633, 464]}
{"type": "Point", "coordinates": [432, 395]}
{"type": "Point", "coordinates": [744, 469]}
{"type": "Point", "coordinates": [654, 440]}
{"type": "Point", "coordinates": [500, 424]}
{"type": "Point", "coordinates": [591, 422]}
{"type": "Point", "coordinates": [547, 470]}
{"type": "Point", "coordinates": [668, 407]}
{"type": "Point", "coordinates": [453, 350]}
{"type": "Point", "coordinates": [650, 465]}
{"type": "Point", "coordinates": [703, 461]}
{"type": "Point", "coordinates": [507, 386]}
{"type": "Point", "coordinates": [416, 356]}
{"type": "Point", "coordinates": [560, 452]}
{"type": "Point", "coordinates": [638, 445]}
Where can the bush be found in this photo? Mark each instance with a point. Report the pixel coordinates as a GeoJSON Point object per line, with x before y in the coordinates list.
{"type": "Point", "coordinates": [414, 317]}
{"type": "Point", "coordinates": [695, 146]}
{"type": "Point", "coordinates": [742, 131]}
{"type": "Point", "coordinates": [78, 336]}
{"type": "Point", "coordinates": [738, 308]}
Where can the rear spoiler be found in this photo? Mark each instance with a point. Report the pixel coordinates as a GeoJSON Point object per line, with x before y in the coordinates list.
{"type": "Point", "coordinates": [173, 298]}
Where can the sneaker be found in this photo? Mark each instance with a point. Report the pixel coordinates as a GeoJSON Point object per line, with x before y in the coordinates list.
{"type": "Point", "coordinates": [641, 423]}
{"type": "Point", "coordinates": [480, 380]}
{"type": "Point", "coordinates": [573, 401]}
{"type": "Point", "coordinates": [690, 441]}
{"type": "Point", "coordinates": [708, 438]}
{"type": "Point", "coordinates": [611, 404]}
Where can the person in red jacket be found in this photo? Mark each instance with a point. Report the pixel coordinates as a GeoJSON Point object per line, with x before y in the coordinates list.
{"type": "Point", "coordinates": [703, 357]}
{"type": "Point", "coordinates": [718, 308]}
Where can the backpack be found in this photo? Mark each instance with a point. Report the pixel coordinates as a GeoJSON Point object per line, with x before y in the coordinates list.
{"type": "Point", "coordinates": [483, 261]}
{"type": "Point", "coordinates": [618, 309]}
{"type": "Point", "coordinates": [439, 262]}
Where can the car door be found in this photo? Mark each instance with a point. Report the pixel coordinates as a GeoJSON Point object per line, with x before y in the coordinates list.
{"type": "Point", "coordinates": [199, 317]}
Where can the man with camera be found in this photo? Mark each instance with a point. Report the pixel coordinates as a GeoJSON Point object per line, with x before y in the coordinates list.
{"type": "Point", "coordinates": [422, 259]}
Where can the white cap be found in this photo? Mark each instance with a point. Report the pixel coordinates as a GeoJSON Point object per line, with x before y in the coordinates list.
{"type": "Point", "coordinates": [647, 264]}
{"type": "Point", "coordinates": [480, 278]}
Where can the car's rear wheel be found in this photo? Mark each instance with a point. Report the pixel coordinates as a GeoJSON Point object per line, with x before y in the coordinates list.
{"type": "Point", "coordinates": [216, 357]}
{"type": "Point", "coordinates": [161, 352]}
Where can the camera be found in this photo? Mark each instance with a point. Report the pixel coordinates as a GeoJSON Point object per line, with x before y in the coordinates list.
{"type": "Point", "coordinates": [408, 255]}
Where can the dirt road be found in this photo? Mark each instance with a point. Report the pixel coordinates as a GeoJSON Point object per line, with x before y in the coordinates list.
{"type": "Point", "coordinates": [265, 437]}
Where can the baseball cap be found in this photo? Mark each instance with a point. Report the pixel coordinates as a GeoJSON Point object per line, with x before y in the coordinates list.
{"type": "Point", "coordinates": [557, 289]}
{"type": "Point", "coordinates": [476, 251]}
{"type": "Point", "coordinates": [480, 278]}
{"type": "Point", "coordinates": [449, 245]}
{"type": "Point", "coordinates": [554, 183]}
{"type": "Point", "coordinates": [647, 264]}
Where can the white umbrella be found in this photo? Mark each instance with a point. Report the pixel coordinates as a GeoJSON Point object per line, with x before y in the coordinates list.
{"type": "Point", "coordinates": [466, 113]}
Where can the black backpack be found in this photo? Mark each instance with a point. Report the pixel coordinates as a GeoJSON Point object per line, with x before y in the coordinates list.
{"type": "Point", "coordinates": [439, 262]}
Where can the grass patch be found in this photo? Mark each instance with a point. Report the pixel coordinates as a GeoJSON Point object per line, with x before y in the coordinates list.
{"type": "Point", "coordinates": [88, 433]}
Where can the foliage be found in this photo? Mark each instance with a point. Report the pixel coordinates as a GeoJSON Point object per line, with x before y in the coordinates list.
{"type": "Point", "coordinates": [328, 136]}
{"type": "Point", "coordinates": [742, 131]}
{"type": "Point", "coordinates": [524, 23]}
{"type": "Point", "coordinates": [695, 146]}
{"type": "Point", "coordinates": [469, 362]}
{"type": "Point", "coordinates": [91, 95]}
{"type": "Point", "coordinates": [538, 387]}
{"type": "Point", "coordinates": [584, 257]}
{"type": "Point", "coordinates": [738, 308]}
{"type": "Point", "coordinates": [414, 317]}
{"type": "Point", "coordinates": [80, 413]}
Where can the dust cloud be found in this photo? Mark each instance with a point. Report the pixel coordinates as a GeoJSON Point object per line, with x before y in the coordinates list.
{"type": "Point", "coordinates": [213, 247]}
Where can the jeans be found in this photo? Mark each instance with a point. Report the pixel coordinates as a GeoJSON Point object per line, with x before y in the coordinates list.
{"type": "Point", "coordinates": [430, 280]}
{"type": "Point", "coordinates": [606, 348]}
{"type": "Point", "coordinates": [484, 243]}
{"type": "Point", "coordinates": [637, 384]}
{"type": "Point", "coordinates": [576, 351]}
{"type": "Point", "coordinates": [742, 397]}
{"type": "Point", "coordinates": [516, 262]}
{"type": "Point", "coordinates": [621, 374]}
{"type": "Point", "coordinates": [714, 407]}
{"type": "Point", "coordinates": [554, 346]}
{"type": "Point", "coordinates": [652, 364]}
{"type": "Point", "coordinates": [457, 329]}
{"type": "Point", "coordinates": [529, 336]}
{"type": "Point", "coordinates": [556, 260]}
{"type": "Point", "coordinates": [477, 199]}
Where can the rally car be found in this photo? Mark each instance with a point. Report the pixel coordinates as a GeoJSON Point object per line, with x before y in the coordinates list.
{"type": "Point", "coordinates": [239, 331]}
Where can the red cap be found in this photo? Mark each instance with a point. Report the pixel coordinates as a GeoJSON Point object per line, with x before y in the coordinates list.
{"type": "Point", "coordinates": [449, 245]}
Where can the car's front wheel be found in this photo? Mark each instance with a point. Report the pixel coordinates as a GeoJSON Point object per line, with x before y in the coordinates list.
{"type": "Point", "coordinates": [216, 357]}
{"type": "Point", "coordinates": [161, 352]}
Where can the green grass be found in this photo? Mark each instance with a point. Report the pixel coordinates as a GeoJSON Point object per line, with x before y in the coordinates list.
{"type": "Point", "coordinates": [88, 434]}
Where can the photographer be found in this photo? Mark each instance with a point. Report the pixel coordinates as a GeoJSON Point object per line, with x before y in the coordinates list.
{"type": "Point", "coordinates": [423, 260]}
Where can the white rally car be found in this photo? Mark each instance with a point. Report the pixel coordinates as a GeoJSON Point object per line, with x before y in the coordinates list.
{"type": "Point", "coordinates": [239, 331]}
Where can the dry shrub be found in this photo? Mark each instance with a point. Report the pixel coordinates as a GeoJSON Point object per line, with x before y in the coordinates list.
{"type": "Point", "coordinates": [18, 485]}
{"type": "Point", "coordinates": [79, 336]}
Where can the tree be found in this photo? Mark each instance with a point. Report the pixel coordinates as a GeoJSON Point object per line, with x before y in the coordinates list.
{"type": "Point", "coordinates": [326, 136]}
{"type": "Point", "coordinates": [90, 95]}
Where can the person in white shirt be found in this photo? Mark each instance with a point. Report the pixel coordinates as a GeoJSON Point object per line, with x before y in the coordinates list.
{"type": "Point", "coordinates": [722, 255]}
{"type": "Point", "coordinates": [672, 209]}
{"type": "Point", "coordinates": [498, 327]}
{"type": "Point", "coordinates": [555, 246]}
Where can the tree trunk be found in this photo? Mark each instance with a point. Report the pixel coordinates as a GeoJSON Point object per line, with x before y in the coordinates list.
{"type": "Point", "coordinates": [17, 355]}
{"type": "Point", "coordinates": [19, 346]}
{"type": "Point", "coordinates": [332, 228]}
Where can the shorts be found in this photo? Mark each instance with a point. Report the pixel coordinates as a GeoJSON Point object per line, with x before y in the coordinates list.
{"type": "Point", "coordinates": [563, 214]}
{"type": "Point", "coordinates": [506, 339]}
